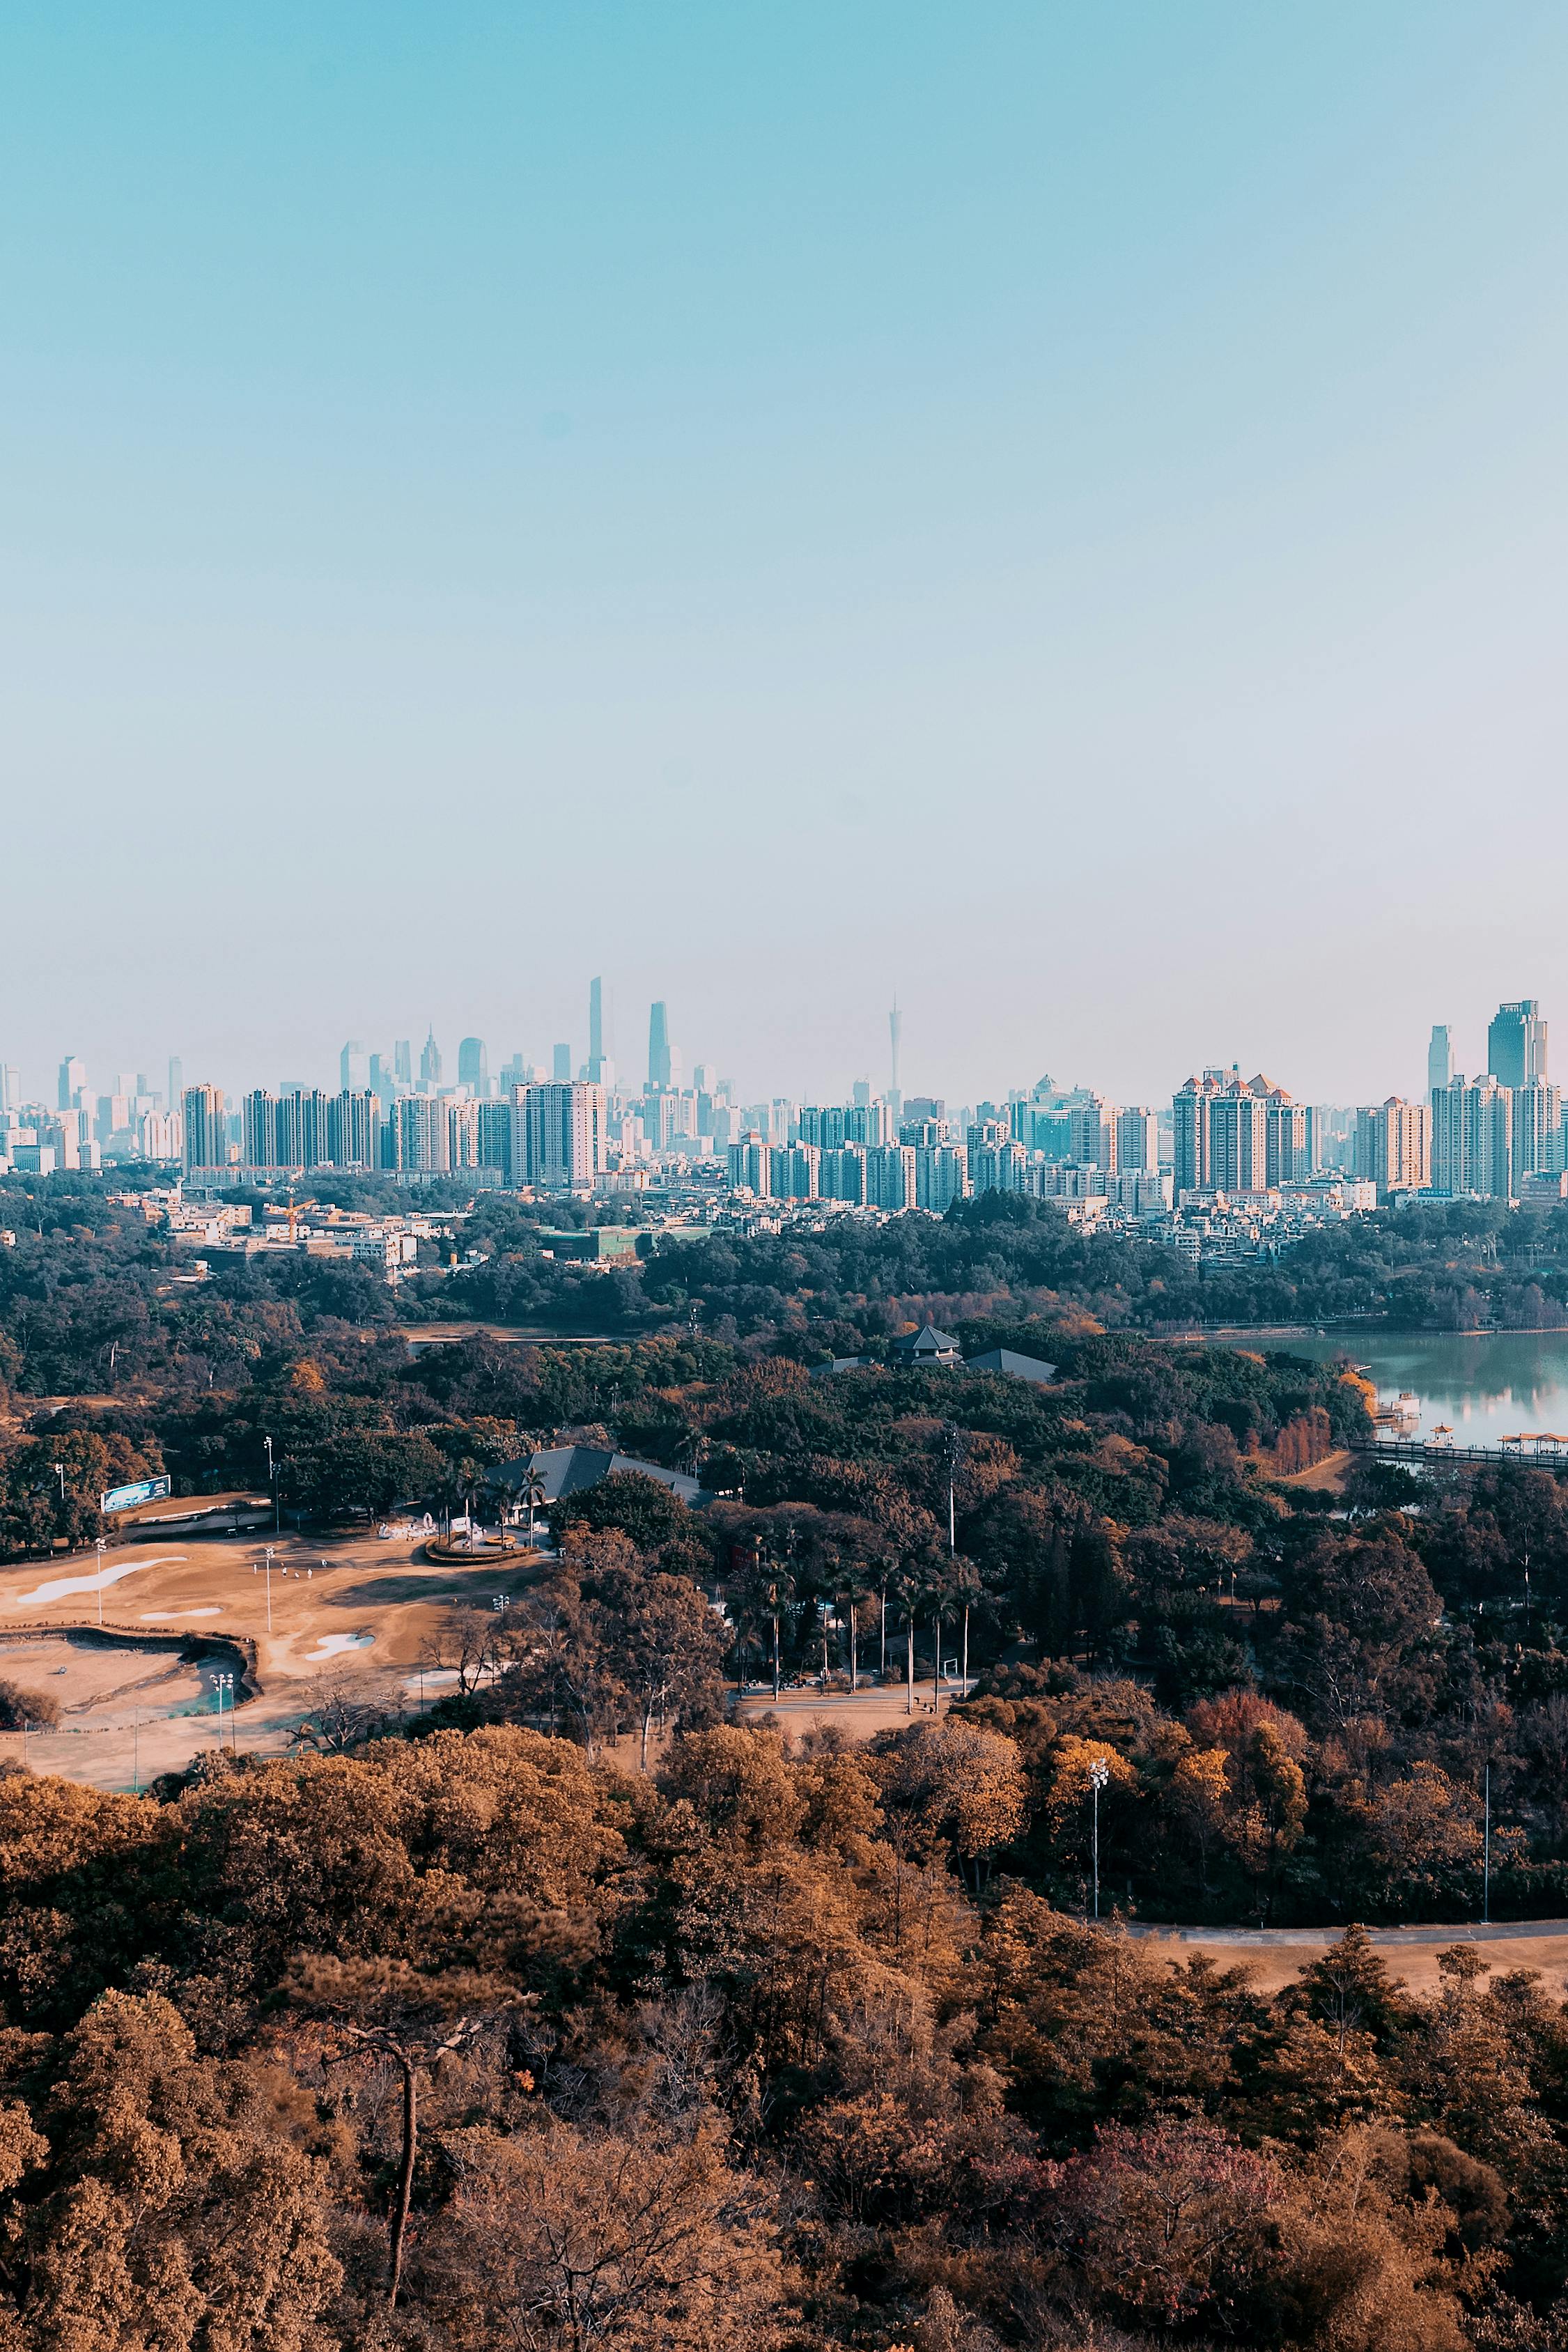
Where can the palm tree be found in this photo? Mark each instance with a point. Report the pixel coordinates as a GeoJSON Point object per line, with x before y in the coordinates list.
{"type": "Point", "coordinates": [534, 1491]}
{"type": "Point", "coordinates": [911, 1590]}
{"type": "Point", "coordinates": [853, 1587]}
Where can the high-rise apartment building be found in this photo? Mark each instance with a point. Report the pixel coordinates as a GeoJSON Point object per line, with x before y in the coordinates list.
{"type": "Point", "coordinates": [1237, 1140]}
{"type": "Point", "coordinates": [499, 1128]}
{"type": "Point", "coordinates": [824, 1126]}
{"type": "Point", "coordinates": [1439, 1059]}
{"type": "Point", "coordinates": [1472, 1139]}
{"type": "Point", "coordinates": [205, 1140]}
{"type": "Point", "coordinates": [1288, 1153]}
{"type": "Point", "coordinates": [751, 1165]}
{"type": "Point", "coordinates": [1394, 1146]}
{"type": "Point", "coordinates": [565, 1125]}
{"type": "Point", "coordinates": [417, 1132]}
{"type": "Point", "coordinates": [1516, 1045]}
{"type": "Point", "coordinates": [841, 1174]}
{"type": "Point", "coordinates": [463, 1133]}
{"type": "Point", "coordinates": [795, 1172]}
{"type": "Point", "coordinates": [889, 1177]}
{"type": "Point", "coordinates": [658, 1047]}
{"type": "Point", "coordinates": [1537, 1131]}
{"type": "Point", "coordinates": [941, 1176]}
{"type": "Point", "coordinates": [354, 1130]}
{"type": "Point", "coordinates": [997, 1166]}
{"type": "Point", "coordinates": [1137, 1139]}
{"type": "Point", "coordinates": [1189, 1124]}
{"type": "Point", "coordinates": [868, 1124]}
{"type": "Point", "coordinates": [1091, 1134]}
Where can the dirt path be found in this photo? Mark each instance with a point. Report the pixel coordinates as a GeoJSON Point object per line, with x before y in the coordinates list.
{"type": "Point", "coordinates": [1272, 1958]}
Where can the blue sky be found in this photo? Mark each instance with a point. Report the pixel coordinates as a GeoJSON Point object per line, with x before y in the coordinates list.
{"type": "Point", "coordinates": [1060, 511]}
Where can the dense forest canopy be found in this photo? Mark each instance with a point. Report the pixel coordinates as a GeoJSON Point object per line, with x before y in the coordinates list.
{"type": "Point", "coordinates": [574, 2012]}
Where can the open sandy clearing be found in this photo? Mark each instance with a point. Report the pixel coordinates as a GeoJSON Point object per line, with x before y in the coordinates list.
{"type": "Point", "coordinates": [355, 1614]}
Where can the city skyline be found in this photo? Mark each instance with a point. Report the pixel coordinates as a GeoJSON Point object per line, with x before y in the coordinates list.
{"type": "Point", "coordinates": [1489, 1133]}
{"type": "Point", "coordinates": [319, 1063]}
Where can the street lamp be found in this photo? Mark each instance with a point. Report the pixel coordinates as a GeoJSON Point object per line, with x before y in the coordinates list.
{"type": "Point", "coordinates": [222, 1683]}
{"type": "Point", "coordinates": [269, 1556]}
{"type": "Point", "coordinates": [272, 1482]}
{"type": "Point", "coordinates": [98, 1547]}
{"type": "Point", "coordinates": [1099, 1773]}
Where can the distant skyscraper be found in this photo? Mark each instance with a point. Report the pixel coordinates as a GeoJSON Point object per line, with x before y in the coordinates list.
{"type": "Point", "coordinates": [1441, 1058]}
{"type": "Point", "coordinates": [403, 1063]}
{"type": "Point", "coordinates": [73, 1083]}
{"type": "Point", "coordinates": [895, 1040]}
{"type": "Point", "coordinates": [206, 1137]}
{"type": "Point", "coordinates": [600, 1041]}
{"type": "Point", "coordinates": [472, 1065]}
{"type": "Point", "coordinates": [430, 1062]}
{"type": "Point", "coordinates": [1516, 1045]}
{"type": "Point", "coordinates": [10, 1088]}
{"type": "Point", "coordinates": [658, 1046]}
{"type": "Point", "coordinates": [353, 1067]}
{"type": "Point", "coordinates": [561, 1064]}
{"type": "Point", "coordinates": [380, 1081]}
{"type": "Point", "coordinates": [176, 1084]}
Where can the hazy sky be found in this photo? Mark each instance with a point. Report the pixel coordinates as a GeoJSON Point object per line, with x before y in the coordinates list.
{"type": "Point", "coordinates": [1057, 511]}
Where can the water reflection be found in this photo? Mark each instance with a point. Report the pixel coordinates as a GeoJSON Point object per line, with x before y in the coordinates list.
{"type": "Point", "coordinates": [1483, 1385]}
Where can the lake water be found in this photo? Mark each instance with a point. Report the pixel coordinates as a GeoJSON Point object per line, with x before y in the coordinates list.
{"type": "Point", "coordinates": [1484, 1384]}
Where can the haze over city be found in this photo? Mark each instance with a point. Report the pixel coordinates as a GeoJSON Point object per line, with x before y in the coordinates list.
{"type": "Point", "coordinates": [1053, 513]}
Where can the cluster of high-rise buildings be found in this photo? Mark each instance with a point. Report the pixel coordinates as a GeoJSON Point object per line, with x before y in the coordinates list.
{"type": "Point", "coordinates": [1499, 1136]}
{"type": "Point", "coordinates": [82, 1129]}
{"type": "Point", "coordinates": [1229, 1148]}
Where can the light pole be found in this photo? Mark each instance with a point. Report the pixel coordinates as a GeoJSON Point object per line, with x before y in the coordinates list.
{"type": "Point", "coordinates": [269, 1551]}
{"type": "Point", "coordinates": [222, 1683]}
{"type": "Point", "coordinates": [909, 1652]}
{"type": "Point", "coordinates": [1486, 1854]}
{"type": "Point", "coordinates": [98, 1548]}
{"type": "Point", "coordinates": [1099, 1773]}
{"type": "Point", "coordinates": [272, 1482]}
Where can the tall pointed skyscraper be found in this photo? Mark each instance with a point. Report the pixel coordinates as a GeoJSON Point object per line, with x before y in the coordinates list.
{"type": "Point", "coordinates": [658, 1047]}
{"type": "Point", "coordinates": [600, 1055]}
{"type": "Point", "coordinates": [1439, 1059]}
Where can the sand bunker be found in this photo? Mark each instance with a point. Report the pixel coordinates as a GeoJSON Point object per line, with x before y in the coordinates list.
{"type": "Point", "coordinates": [100, 1581]}
{"type": "Point", "coordinates": [331, 1645]}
